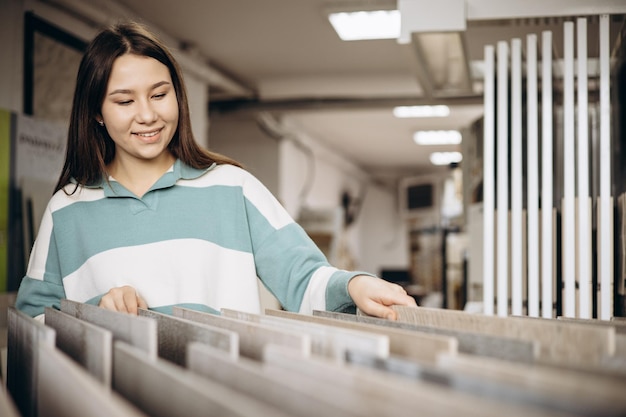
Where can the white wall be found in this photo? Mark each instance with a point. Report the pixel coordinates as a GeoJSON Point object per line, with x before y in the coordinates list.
{"type": "Point", "coordinates": [239, 137]}
{"type": "Point", "coordinates": [384, 239]}
{"type": "Point", "coordinates": [378, 238]}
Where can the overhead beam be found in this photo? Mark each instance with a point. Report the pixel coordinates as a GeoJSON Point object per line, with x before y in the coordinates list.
{"type": "Point", "coordinates": [255, 105]}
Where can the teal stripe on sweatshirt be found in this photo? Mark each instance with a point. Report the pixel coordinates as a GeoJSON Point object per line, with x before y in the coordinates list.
{"type": "Point", "coordinates": [215, 214]}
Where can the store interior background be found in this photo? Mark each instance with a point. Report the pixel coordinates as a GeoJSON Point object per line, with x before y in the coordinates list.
{"type": "Point", "coordinates": [271, 84]}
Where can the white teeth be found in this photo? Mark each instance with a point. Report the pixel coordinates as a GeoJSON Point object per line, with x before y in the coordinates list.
{"type": "Point", "coordinates": [147, 135]}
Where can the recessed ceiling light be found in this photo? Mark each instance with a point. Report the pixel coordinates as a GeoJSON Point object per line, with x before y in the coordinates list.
{"type": "Point", "coordinates": [375, 24]}
{"type": "Point", "coordinates": [437, 137]}
{"type": "Point", "coordinates": [421, 111]}
{"type": "Point", "coordinates": [445, 158]}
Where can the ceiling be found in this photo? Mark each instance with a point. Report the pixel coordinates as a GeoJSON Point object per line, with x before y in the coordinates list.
{"type": "Point", "coordinates": [288, 60]}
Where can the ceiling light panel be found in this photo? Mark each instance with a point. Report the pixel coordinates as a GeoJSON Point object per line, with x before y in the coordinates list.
{"type": "Point", "coordinates": [421, 111]}
{"type": "Point", "coordinates": [361, 25]}
{"type": "Point", "coordinates": [437, 137]}
{"type": "Point", "coordinates": [445, 158]}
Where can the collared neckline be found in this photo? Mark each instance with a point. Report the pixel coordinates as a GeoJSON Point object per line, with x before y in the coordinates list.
{"type": "Point", "coordinates": [178, 170]}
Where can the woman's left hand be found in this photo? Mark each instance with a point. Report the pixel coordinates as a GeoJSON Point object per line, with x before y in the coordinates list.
{"type": "Point", "coordinates": [375, 296]}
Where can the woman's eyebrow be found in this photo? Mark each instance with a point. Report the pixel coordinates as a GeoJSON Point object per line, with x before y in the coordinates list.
{"type": "Point", "coordinates": [127, 91]}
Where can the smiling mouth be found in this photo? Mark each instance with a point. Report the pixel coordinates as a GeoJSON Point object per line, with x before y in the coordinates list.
{"type": "Point", "coordinates": [148, 134]}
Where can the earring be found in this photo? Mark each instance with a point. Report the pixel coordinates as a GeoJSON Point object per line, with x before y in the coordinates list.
{"type": "Point", "coordinates": [101, 123]}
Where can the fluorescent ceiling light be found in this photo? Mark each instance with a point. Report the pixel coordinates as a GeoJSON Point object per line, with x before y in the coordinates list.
{"type": "Point", "coordinates": [421, 111]}
{"type": "Point", "coordinates": [375, 24]}
{"type": "Point", "coordinates": [445, 158]}
{"type": "Point", "coordinates": [437, 137]}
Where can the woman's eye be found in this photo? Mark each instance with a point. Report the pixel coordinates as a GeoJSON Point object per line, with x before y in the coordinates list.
{"type": "Point", "coordinates": [124, 102]}
{"type": "Point", "coordinates": [159, 96]}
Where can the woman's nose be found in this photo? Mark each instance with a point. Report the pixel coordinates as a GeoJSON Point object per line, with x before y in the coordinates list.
{"type": "Point", "coordinates": [146, 112]}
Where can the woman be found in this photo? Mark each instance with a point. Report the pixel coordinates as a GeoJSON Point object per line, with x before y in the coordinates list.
{"type": "Point", "coordinates": [142, 217]}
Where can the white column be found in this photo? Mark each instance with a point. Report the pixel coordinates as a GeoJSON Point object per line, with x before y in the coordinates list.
{"type": "Point", "coordinates": [488, 183]}
{"type": "Point", "coordinates": [532, 175]}
{"type": "Point", "coordinates": [502, 264]}
{"type": "Point", "coordinates": [584, 222]}
{"type": "Point", "coordinates": [605, 216]}
{"type": "Point", "coordinates": [546, 175]}
{"type": "Point", "coordinates": [516, 177]}
{"type": "Point", "coordinates": [568, 224]}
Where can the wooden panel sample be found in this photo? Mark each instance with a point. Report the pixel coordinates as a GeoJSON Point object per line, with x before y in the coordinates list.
{"type": "Point", "coordinates": [468, 342]}
{"type": "Point", "coordinates": [7, 300]}
{"type": "Point", "coordinates": [174, 333]}
{"type": "Point", "coordinates": [87, 344]}
{"type": "Point", "coordinates": [252, 336]}
{"type": "Point", "coordinates": [140, 332]}
{"type": "Point", "coordinates": [415, 345]}
{"type": "Point", "coordinates": [25, 334]}
{"type": "Point", "coordinates": [432, 398]}
{"type": "Point", "coordinates": [559, 341]}
{"type": "Point", "coordinates": [292, 393]}
{"type": "Point", "coordinates": [573, 391]}
{"type": "Point", "coordinates": [325, 340]}
{"type": "Point", "coordinates": [497, 398]}
{"type": "Point", "coordinates": [67, 390]}
{"type": "Point", "coordinates": [163, 389]}
{"type": "Point", "coordinates": [620, 326]}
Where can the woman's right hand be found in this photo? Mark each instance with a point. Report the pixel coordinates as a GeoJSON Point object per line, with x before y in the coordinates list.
{"type": "Point", "coordinates": [123, 299]}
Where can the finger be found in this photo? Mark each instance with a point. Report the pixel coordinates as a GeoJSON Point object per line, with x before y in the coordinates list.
{"type": "Point", "coordinates": [107, 302]}
{"type": "Point", "coordinates": [141, 302]}
{"type": "Point", "coordinates": [379, 310]}
{"type": "Point", "coordinates": [130, 301]}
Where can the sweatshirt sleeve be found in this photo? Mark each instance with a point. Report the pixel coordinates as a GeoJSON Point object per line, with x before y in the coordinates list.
{"type": "Point", "coordinates": [288, 262]}
{"type": "Point", "coordinates": [42, 286]}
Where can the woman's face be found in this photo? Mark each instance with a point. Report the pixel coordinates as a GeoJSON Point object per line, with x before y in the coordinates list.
{"type": "Point", "coordinates": [140, 110]}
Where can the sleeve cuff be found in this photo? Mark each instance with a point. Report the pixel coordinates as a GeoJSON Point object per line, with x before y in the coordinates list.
{"type": "Point", "coordinates": [337, 296]}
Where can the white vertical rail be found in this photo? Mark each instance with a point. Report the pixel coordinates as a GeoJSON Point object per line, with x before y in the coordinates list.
{"type": "Point", "coordinates": [503, 180]}
{"type": "Point", "coordinates": [568, 224]}
{"type": "Point", "coordinates": [584, 242]}
{"type": "Point", "coordinates": [605, 215]}
{"type": "Point", "coordinates": [488, 183]}
{"type": "Point", "coordinates": [532, 175]}
{"type": "Point", "coordinates": [546, 175]}
{"type": "Point", "coordinates": [516, 177]}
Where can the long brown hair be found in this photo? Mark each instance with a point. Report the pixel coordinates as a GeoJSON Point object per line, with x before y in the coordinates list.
{"type": "Point", "coordinates": [89, 147]}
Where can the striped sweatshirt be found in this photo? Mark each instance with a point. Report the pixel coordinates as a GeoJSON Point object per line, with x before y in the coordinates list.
{"type": "Point", "coordinates": [197, 239]}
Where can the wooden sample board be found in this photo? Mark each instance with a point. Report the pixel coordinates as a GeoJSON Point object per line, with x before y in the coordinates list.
{"type": "Point", "coordinates": [175, 333]}
{"type": "Point", "coordinates": [252, 336]}
{"type": "Point", "coordinates": [7, 300]}
{"type": "Point", "coordinates": [325, 340]}
{"type": "Point", "coordinates": [162, 389]}
{"type": "Point", "coordinates": [559, 341]}
{"type": "Point", "coordinates": [575, 392]}
{"type": "Point", "coordinates": [468, 342]}
{"type": "Point", "coordinates": [67, 390]}
{"type": "Point", "coordinates": [25, 334]}
{"type": "Point", "coordinates": [457, 382]}
{"type": "Point", "coordinates": [87, 344]}
{"type": "Point", "coordinates": [415, 345]}
{"type": "Point", "coordinates": [292, 393]}
{"type": "Point", "coordinates": [140, 332]}
{"type": "Point", "coordinates": [406, 393]}
{"type": "Point", "coordinates": [619, 326]}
